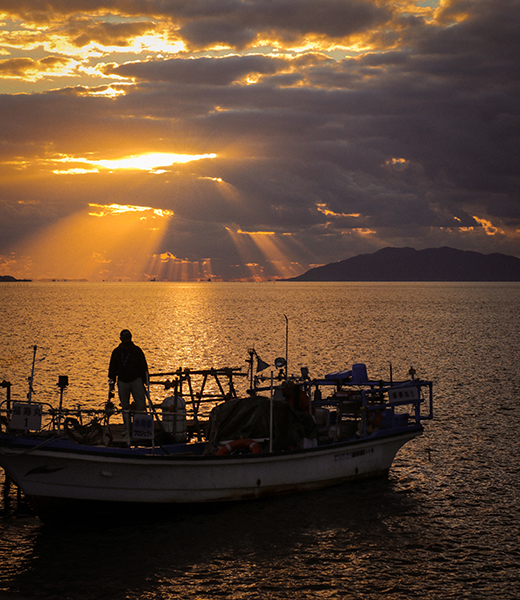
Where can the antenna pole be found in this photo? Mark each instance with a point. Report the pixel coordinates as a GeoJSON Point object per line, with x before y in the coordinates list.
{"type": "Point", "coordinates": [251, 352]}
{"type": "Point", "coordinates": [31, 377]}
{"type": "Point", "coordinates": [286, 344]}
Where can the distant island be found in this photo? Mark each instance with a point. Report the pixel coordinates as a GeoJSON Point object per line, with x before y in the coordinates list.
{"type": "Point", "coordinates": [408, 264]}
{"type": "Point", "coordinates": [13, 279]}
{"type": "Point", "coordinates": [9, 278]}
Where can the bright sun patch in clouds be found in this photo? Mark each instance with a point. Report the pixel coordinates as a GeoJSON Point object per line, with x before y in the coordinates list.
{"type": "Point", "coordinates": [488, 227]}
{"type": "Point", "coordinates": [119, 209]}
{"type": "Point", "coordinates": [329, 213]}
{"type": "Point", "coordinates": [150, 162]}
{"type": "Point", "coordinates": [153, 162]}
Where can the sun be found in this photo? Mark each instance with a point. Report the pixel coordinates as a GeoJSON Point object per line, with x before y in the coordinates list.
{"type": "Point", "coordinates": [153, 162]}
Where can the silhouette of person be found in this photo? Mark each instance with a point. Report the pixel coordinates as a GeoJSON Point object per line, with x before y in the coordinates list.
{"type": "Point", "coordinates": [129, 368]}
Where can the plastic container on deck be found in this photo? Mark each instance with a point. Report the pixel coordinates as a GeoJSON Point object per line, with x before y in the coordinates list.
{"type": "Point", "coordinates": [174, 417]}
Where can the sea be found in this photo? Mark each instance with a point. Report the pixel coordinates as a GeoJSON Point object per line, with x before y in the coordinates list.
{"type": "Point", "coordinates": [444, 524]}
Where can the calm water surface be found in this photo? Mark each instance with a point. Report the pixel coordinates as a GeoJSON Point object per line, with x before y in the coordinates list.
{"type": "Point", "coordinates": [445, 524]}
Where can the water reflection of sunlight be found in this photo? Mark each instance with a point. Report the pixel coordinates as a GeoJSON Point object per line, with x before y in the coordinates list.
{"type": "Point", "coordinates": [113, 243]}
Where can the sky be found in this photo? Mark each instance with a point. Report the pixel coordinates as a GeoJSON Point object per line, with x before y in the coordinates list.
{"type": "Point", "coordinates": [187, 140]}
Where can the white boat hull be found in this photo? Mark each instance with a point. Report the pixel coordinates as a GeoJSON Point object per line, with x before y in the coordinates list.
{"type": "Point", "coordinates": [46, 474]}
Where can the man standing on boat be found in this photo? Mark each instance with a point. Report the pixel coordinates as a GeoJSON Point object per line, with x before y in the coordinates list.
{"type": "Point", "coordinates": [128, 366]}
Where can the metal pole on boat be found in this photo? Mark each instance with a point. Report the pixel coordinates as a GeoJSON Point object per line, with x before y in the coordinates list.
{"type": "Point", "coordinates": [126, 421]}
{"type": "Point", "coordinates": [365, 413]}
{"type": "Point", "coordinates": [152, 407]}
{"type": "Point", "coordinates": [7, 385]}
{"type": "Point", "coordinates": [63, 382]}
{"type": "Point", "coordinates": [251, 352]}
{"type": "Point", "coordinates": [29, 394]}
{"type": "Point", "coordinates": [286, 344]}
{"type": "Point", "coordinates": [271, 403]}
{"type": "Point", "coordinates": [148, 397]}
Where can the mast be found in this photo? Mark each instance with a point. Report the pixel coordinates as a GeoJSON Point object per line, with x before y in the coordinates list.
{"type": "Point", "coordinates": [286, 344]}
{"type": "Point", "coordinates": [29, 394]}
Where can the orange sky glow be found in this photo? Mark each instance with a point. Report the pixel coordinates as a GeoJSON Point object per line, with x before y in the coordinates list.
{"type": "Point", "coordinates": [251, 141]}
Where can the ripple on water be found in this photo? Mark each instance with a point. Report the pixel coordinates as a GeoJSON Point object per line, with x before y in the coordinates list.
{"type": "Point", "coordinates": [444, 525]}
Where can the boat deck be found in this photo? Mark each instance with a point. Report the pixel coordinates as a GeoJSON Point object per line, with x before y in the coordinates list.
{"type": "Point", "coordinates": [116, 434]}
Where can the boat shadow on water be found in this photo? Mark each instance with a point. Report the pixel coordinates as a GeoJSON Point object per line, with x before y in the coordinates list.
{"type": "Point", "coordinates": [138, 545]}
{"type": "Point", "coordinates": [370, 495]}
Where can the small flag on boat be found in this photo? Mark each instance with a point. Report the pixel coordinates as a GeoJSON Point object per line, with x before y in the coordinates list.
{"type": "Point", "coordinates": [260, 364]}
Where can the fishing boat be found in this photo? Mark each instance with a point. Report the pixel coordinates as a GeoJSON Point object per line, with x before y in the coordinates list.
{"type": "Point", "coordinates": [201, 441]}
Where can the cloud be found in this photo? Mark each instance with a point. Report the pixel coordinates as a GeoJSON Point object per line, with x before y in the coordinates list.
{"type": "Point", "coordinates": [206, 24]}
{"type": "Point", "coordinates": [28, 67]}
{"type": "Point", "coordinates": [288, 22]}
{"type": "Point", "coordinates": [387, 126]}
{"type": "Point", "coordinates": [208, 71]}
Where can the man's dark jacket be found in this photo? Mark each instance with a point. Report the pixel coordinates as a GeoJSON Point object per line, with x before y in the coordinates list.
{"type": "Point", "coordinates": [127, 363]}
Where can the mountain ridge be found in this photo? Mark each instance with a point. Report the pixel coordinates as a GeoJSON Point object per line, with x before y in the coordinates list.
{"type": "Point", "coordinates": [408, 264]}
{"type": "Point", "coordinates": [9, 278]}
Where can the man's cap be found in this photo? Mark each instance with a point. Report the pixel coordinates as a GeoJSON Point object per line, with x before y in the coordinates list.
{"type": "Point", "coordinates": [125, 334]}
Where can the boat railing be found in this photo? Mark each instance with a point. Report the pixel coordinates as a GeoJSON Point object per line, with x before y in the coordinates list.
{"type": "Point", "coordinates": [81, 424]}
{"type": "Point", "coordinates": [195, 392]}
{"type": "Point", "coordinates": [377, 407]}
{"type": "Point", "coordinates": [341, 408]}
{"type": "Point", "coordinates": [40, 417]}
{"type": "Point", "coordinates": [344, 409]}
{"type": "Point", "coordinates": [198, 390]}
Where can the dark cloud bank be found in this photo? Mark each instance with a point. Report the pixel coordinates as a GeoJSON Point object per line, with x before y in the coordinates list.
{"type": "Point", "coordinates": [416, 144]}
